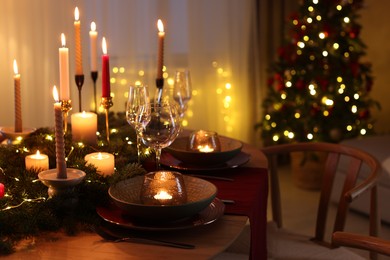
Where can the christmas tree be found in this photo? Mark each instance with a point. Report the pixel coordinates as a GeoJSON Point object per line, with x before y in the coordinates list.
{"type": "Point", "coordinates": [319, 87]}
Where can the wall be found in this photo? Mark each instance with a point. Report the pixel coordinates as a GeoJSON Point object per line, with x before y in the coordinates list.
{"type": "Point", "coordinates": [376, 35]}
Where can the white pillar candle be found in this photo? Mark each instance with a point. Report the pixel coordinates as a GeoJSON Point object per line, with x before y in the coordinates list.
{"type": "Point", "coordinates": [37, 161]}
{"type": "Point", "coordinates": [84, 127]}
{"type": "Point", "coordinates": [104, 162]}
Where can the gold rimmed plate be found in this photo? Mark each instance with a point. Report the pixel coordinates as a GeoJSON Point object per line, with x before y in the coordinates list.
{"type": "Point", "coordinates": [168, 160]}
{"type": "Point", "coordinates": [117, 216]}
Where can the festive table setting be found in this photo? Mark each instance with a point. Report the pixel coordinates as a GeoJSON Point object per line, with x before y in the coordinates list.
{"type": "Point", "coordinates": [133, 175]}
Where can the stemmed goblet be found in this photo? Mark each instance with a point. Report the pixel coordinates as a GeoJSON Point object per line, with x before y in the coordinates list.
{"type": "Point", "coordinates": [137, 111]}
{"type": "Point", "coordinates": [162, 128]}
{"type": "Point", "coordinates": [182, 90]}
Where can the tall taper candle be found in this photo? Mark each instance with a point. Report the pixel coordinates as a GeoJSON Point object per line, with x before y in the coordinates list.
{"type": "Point", "coordinates": [160, 61]}
{"type": "Point", "coordinates": [18, 102]}
{"type": "Point", "coordinates": [93, 38]}
{"type": "Point", "coordinates": [64, 70]}
{"type": "Point", "coordinates": [59, 134]}
{"type": "Point", "coordinates": [77, 37]}
{"type": "Point", "coordinates": [105, 70]}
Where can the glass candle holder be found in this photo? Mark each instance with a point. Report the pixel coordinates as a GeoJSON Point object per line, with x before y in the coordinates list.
{"type": "Point", "coordinates": [204, 141]}
{"type": "Point", "coordinates": [163, 188]}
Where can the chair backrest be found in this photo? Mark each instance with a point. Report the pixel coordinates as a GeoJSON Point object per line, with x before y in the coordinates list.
{"type": "Point", "coordinates": [351, 187]}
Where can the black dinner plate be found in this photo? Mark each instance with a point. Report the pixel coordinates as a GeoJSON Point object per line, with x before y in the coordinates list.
{"type": "Point", "coordinates": [172, 162]}
{"type": "Point", "coordinates": [117, 216]}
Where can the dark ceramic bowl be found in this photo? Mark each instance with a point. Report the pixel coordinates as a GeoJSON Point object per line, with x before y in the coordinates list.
{"type": "Point", "coordinates": [229, 148]}
{"type": "Point", "coordinates": [126, 195]}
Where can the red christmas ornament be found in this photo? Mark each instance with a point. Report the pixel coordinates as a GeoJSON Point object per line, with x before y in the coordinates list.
{"type": "Point", "coordinates": [364, 114]}
{"type": "Point", "coordinates": [2, 190]}
{"type": "Point", "coordinates": [300, 84]}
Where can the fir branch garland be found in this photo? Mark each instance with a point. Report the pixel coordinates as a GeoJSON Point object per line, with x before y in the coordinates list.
{"type": "Point", "coordinates": [26, 210]}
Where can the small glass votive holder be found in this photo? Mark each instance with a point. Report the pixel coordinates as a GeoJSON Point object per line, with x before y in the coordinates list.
{"type": "Point", "coordinates": [204, 141]}
{"type": "Point", "coordinates": [163, 188]}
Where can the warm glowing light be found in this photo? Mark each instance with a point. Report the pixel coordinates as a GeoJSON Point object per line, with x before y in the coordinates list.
{"type": "Point", "coordinates": [354, 109]}
{"type": "Point", "coordinates": [76, 14]}
{"type": "Point", "coordinates": [349, 128]}
{"type": "Point", "coordinates": [104, 46]}
{"type": "Point", "coordinates": [346, 20]}
{"type": "Point", "coordinates": [321, 35]}
{"type": "Point", "coordinates": [325, 53]}
{"type": "Point", "coordinates": [141, 73]}
{"type": "Point", "coordinates": [310, 136]}
{"type": "Point", "coordinates": [326, 113]}
{"type": "Point", "coordinates": [275, 138]}
{"type": "Point", "coordinates": [228, 86]}
{"type": "Point", "coordinates": [339, 79]}
{"type": "Point", "coordinates": [290, 135]}
{"type": "Point", "coordinates": [346, 99]}
{"type": "Point", "coordinates": [339, 7]}
{"type": "Point", "coordinates": [363, 131]}
{"type": "Point", "coordinates": [15, 68]}
{"type": "Point", "coordinates": [63, 40]}
{"type": "Point", "coordinates": [160, 26]}
{"type": "Point", "coordinates": [309, 20]}
{"type": "Point", "coordinates": [121, 70]}
{"type": "Point", "coordinates": [163, 195]}
{"type": "Point", "coordinates": [219, 91]}
{"type": "Point", "coordinates": [301, 45]}
{"type": "Point", "coordinates": [93, 26]}
{"type": "Point", "coordinates": [273, 124]}
{"type": "Point", "coordinates": [297, 115]}
{"type": "Point", "coordinates": [115, 70]}
{"type": "Point", "coordinates": [55, 94]}
{"type": "Point", "coordinates": [288, 84]}
{"type": "Point", "coordinates": [318, 17]}
{"type": "Point", "coordinates": [283, 96]}
{"type": "Point", "coordinates": [315, 2]}
{"type": "Point", "coordinates": [295, 22]}
{"type": "Point", "coordinates": [346, 54]}
{"type": "Point", "coordinates": [356, 96]}
{"type": "Point", "coordinates": [310, 9]}
{"type": "Point", "coordinates": [267, 117]}
{"type": "Point", "coordinates": [336, 45]}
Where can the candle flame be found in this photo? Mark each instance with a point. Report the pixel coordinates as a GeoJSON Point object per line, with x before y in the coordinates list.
{"type": "Point", "coordinates": [76, 14]}
{"type": "Point", "coordinates": [55, 94]}
{"type": "Point", "coordinates": [63, 40]}
{"type": "Point", "coordinates": [160, 25]}
{"type": "Point", "coordinates": [15, 67]}
{"type": "Point", "coordinates": [104, 46]}
{"type": "Point", "coordinates": [93, 26]}
{"type": "Point", "coordinates": [163, 195]}
{"type": "Point", "coordinates": [38, 153]}
{"type": "Point", "coordinates": [100, 156]}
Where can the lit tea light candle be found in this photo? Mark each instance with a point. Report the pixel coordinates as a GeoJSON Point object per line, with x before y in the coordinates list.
{"type": "Point", "coordinates": [162, 195]}
{"type": "Point", "coordinates": [163, 188]}
{"type": "Point", "coordinates": [204, 141]}
{"type": "Point", "coordinates": [205, 149]}
{"type": "Point", "coordinates": [104, 162]}
{"type": "Point", "coordinates": [84, 127]}
{"type": "Point", "coordinates": [37, 161]}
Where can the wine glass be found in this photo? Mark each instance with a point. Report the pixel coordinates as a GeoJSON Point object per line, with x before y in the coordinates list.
{"type": "Point", "coordinates": [162, 128]}
{"type": "Point", "coordinates": [137, 113]}
{"type": "Point", "coordinates": [182, 90]}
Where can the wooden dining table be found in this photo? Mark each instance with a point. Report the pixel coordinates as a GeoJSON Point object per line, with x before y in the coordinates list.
{"type": "Point", "coordinates": [248, 189]}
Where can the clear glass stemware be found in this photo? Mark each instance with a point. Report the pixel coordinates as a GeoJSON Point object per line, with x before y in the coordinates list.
{"type": "Point", "coordinates": [162, 129]}
{"type": "Point", "coordinates": [137, 112]}
{"type": "Point", "coordinates": [182, 90]}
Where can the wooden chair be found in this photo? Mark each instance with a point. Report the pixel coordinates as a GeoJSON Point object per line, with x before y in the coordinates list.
{"type": "Point", "coordinates": [369, 243]}
{"type": "Point", "coordinates": [283, 244]}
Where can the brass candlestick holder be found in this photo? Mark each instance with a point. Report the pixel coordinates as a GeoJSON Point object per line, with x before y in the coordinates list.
{"type": "Point", "coordinates": [106, 103]}
{"type": "Point", "coordinates": [79, 82]}
{"type": "Point", "coordinates": [94, 76]}
{"type": "Point", "coordinates": [66, 106]}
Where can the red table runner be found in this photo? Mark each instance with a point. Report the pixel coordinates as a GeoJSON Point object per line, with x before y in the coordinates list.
{"type": "Point", "coordinates": [249, 190]}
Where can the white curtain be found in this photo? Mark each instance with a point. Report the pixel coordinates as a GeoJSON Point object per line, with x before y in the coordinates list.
{"type": "Point", "coordinates": [210, 38]}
